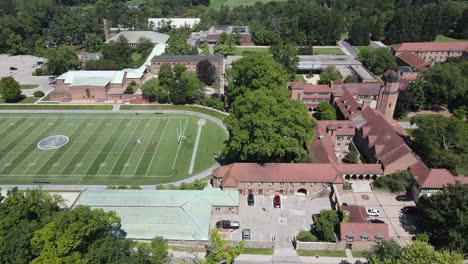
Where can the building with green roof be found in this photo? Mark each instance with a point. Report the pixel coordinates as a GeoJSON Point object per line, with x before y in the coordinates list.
{"type": "Point", "coordinates": [172, 214]}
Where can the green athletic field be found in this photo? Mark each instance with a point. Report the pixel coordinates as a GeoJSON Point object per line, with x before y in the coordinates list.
{"type": "Point", "coordinates": [106, 148]}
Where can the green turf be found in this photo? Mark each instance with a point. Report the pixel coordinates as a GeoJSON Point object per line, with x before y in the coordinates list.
{"type": "Point", "coordinates": [322, 253]}
{"type": "Point", "coordinates": [442, 38]}
{"type": "Point", "coordinates": [328, 51]}
{"type": "Point", "coordinates": [361, 48]}
{"type": "Point", "coordinates": [242, 51]}
{"type": "Point", "coordinates": [55, 107]}
{"type": "Point", "coordinates": [257, 251]}
{"type": "Point", "coordinates": [234, 3]}
{"type": "Point", "coordinates": [23, 100]}
{"type": "Point", "coordinates": [300, 77]}
{"type": "Point", "coordinates": [193, 108]}
{"type": "Point", "coordinates": [104, 148]}
{"type": "Point", "coordinates": [28, 86]}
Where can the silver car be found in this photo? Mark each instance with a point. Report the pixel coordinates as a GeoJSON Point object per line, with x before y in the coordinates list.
{"type": "Point", "coordinates": [246, 235]}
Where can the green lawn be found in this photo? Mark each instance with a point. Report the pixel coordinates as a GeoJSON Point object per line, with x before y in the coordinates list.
{"type": "Point", "coordinates": [55, 107]}
{"type": "Point", "coordinates": [361, 48]}
{"type": "Point", "coordinates": [28, 86]}
{"type": "Point", "coordinates": [105, 148]}
{"type": "Point", "coordinates": [442, 38]}
{"type": "Point", "coordinates": [322, 253]}
{"type": "Point", "coordinates": [358, 254]}
{"type": "Point", "coordinates": [234, 3]}
{"type": "Point", "coordinates": [24, 100]}
{"type": "Point", "coordinates": [300, 77]}
{"type": "Point", "coordinates": [257, 251]}
{"type": "Point", "coordinates": [409, 131]}
{"type": "Point", "coordinates": [241, 51]}
{"type": "Point", "coordinates": [328, 51]}
{"type": "Point", "coordinates": [193, 108]}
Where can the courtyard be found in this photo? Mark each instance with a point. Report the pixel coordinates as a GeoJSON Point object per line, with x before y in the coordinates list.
{"type": "Point", "coordinates": [402, 227]}
{"type": "Point", "coordinates": [274, 224]}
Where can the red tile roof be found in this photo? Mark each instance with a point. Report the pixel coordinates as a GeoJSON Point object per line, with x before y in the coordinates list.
{"type": "Point", "coordinates": [357, 213]}
{"type": "Point", "coordinates": [431, 178]}
{"type": "Point", "coordinates": [309, 88]}
{"type": "Point", "coordinates": [359, 229]}
{"type": "Point", "coordinates": [413, 60]}
{"type": "Point", "coordinates": [432, 46]}
{"type": "Point", "coordinates": [348, 105]}
{"type": "Point", "coordinates": [360, 169]}
{"type": "Point", "coordinates": [323, 148]}
{"type": "Point", "coordinates": [277, 172]}
{"type": "Point", "coordinates": [389, 146]}
{"type": "Point", "coordinates": [363, 89]}
{"type": "Point", "coordinates": [340, 127]}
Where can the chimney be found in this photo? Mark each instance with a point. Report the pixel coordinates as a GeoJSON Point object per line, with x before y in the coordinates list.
{"type": "Point", "coordinates": [105, 22]}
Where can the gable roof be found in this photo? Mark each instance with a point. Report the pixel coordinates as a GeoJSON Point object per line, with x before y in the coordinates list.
{"type": "Point", "coordinates": [360, 230]}
{"type": "Point", "coordinates": [175, 215]}
{"type": "Point", "coordinates": [134, 36]}
{"type": "Point", "coordinates": [348, 105]}
{"type": "Point", "coordinates": [431, 46]}
{"type": "Point", "coordinates": [185, 58]}
{"type": "Point", "coordinates": [309, 88]}
{"type": "Point", "coordinates": [413, 60]}
{"type": "Point", "coordinates": [363, 89]}
{"type": "Point", "coordinates": [431, 178]}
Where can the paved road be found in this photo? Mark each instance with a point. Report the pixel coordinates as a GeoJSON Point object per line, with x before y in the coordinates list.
{"type": "Point", "coordinates": [407, 125]}
{"type": "Point", "coordinates": [351, 50]}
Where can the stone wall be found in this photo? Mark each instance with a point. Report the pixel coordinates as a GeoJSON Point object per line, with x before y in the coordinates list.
{"type": "Point", "coordinates": [199, 243]}
{"type": "Point", "coordinates": [316, 245]}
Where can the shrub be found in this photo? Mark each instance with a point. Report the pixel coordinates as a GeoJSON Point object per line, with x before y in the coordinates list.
{"type": "Point", "coordinates": [307, 236]}
{"type": "Point", "coordinates": [38, 94]}
{"type": "Point", "coordinates": [351, 157]}
{"type": "Point", "coordinates": [213, 103]}
{"type": "Point", "coordinates": [41, 72]}
{"type": "Point", "coordinates": [347, 186]}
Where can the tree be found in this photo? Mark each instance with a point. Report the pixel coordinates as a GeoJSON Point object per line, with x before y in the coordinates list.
{"type": "Point", "coordinates": [93, 42]}
{"type": "Point", "coordinates": [326, 111]}
{"type": "Point", "coordinates": [61, 59]}
{"type": "Point", "coordinates": [286, 55]}
{"type": "Point", "coordinates": [153, 91]}
{"type": "Point", "coordinates": [441, 141]}
{"type": "Point", "coordinates": [206, 72]}
{"type": "Point", "coordinates": [377, 60]}
{"type": "Point", "coordinates": [416, 91]}
{"type": "Point", "coordinates": [329, 74]}
{"type": "Point", "coordinates": [14, 44]}
{"type": "Point", "coordinates": [205, 49]}
{"type": "Point", "coordinates": [386, 250]}
{"type": "Point", "coordinates": [225, 44]}
{"type": "Point", "coordinates": [192, 86]}
{"type": "Point", "coordinates": [66, 237]}
{"type": "Point", "coordinates": [10, 90]}
{"type": "Point", "coordinates": [165, 74]}
{"type": "Point", "coordinates": [108, 249]}
{"type": "Point", "coordinates": [446, 83]}
{"type": "Point", "coordinates": [159, 253]}
{"type": "Point", "coordinates": [255, 71]}
{"type": "Point", "coordinates": [325, 224]}
{"type": "Point", "coordinates": [220, 250]}
{"type": "Point", "coordinates": [177, 92]}
{"type": "Point", "coordinates": [351, 157]}
{"type": "Point", "coordinates": [399, 181]}
{"type": "Point", "coordinates": [118, 51]}
{"type": "Point", "coordinates": [445, 217]}
{"type": "Point", "coordinates": [404, 104]}
{"type": "Point", "coordinates": [178, 70]}
{"type": "Point", "coordinates": [21, 214]}
{"type": "Point", "coordinates": [359, 34]}
{"type": "Point", "coordinates": [265, 126]}
{"type": "Point", "coordinates": [103, 64]}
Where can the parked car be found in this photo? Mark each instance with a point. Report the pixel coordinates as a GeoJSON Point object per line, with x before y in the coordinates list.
{"type": "Point", "coordinates": [12, 73]}
{"type": "Point", "coordinates": [277, 201]}
{"type": "Point", "coordinates": [246, 235]}
{"type": "Point", "coordinates": [13, 69]}
{"type": "Point", "coordinates": [376, 221]}
{"type": "Point", "coordinates": [40, 62]}
{"type": "Point", "coordinates": [373, 212]}
{"type": "Point", "coordinates": [34, 65]}
{"type": "Point", "coordinates": [403, 198]}
{"type": "Point", "coordinates": [250, 199]}
{"type": "Point", "coordinates": [227, 224]}
{"type": "Point", "coordinates": [409, 210]}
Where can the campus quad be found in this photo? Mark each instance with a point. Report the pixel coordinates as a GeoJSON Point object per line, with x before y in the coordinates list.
{"type": "Point", "coordinates": [105, 148]}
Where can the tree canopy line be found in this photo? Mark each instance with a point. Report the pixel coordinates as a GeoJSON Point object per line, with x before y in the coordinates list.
{"type": "Point", "coordinates": [29, 26]}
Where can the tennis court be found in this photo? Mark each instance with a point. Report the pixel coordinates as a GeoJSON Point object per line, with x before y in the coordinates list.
{"type": "Point", "coordinates": [105, 148]}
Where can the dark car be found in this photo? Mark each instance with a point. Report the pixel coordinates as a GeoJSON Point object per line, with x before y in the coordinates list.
{"type": "Point", "coordinates": [250, 199]}
{"type": "Point", "coordinates": [403, 198]}
{"type": "Point", "coordinates": [227, 224]}
{"type": "Point", "coordinates": [13, 69]}
{"type": "Point", "coordinates": [409, 210]}
{"type": "Point", "coordinates": [277, 201]}
{"type": "Point", "coordinates": [376, 221]}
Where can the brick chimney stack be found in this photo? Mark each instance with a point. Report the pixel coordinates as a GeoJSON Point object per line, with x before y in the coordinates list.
{"type": "Point", "coordinates": [105, 22]}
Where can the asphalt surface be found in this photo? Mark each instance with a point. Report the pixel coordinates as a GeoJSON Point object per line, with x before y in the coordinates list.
{"type": "Point", "coordinates": [352, 51]}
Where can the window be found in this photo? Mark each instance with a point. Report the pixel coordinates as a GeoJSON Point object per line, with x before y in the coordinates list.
{"type": "Point", "coordinates": [291, 191]}
{"type": "Point", "coordinates": [339, 144]}
{"type": "Point", "coordinates": [298, 96]}
{"type": "Point", "coordinates": [281, 183]}
{"type": "Point", "coordinates": [340, 138]}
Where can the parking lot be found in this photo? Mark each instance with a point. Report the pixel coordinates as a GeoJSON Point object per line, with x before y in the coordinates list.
{"type": "Point", "coordinates": [279, 224]}
{"type": "Point", "coordinates": [402, 227]}
{"type": "Point", "coordinates": [23, 74]}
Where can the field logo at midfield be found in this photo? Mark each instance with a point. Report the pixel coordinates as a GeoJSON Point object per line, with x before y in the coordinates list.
{"type": "Point", "coordinates": [52, 142]}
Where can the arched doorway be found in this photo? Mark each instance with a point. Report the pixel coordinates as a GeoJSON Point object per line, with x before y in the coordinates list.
{"type": "Point", "coordinates": [301, 192]}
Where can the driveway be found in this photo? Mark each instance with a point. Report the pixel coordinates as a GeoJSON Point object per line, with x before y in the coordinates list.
{"type": "Point", "coordinates": [278, 224]}
{"type": "Point", "coordinates": [23, 75]}
{"type": "Point", "coordinates": [350, 49]}
{"type": "Point", "coordinates": [402, 227]}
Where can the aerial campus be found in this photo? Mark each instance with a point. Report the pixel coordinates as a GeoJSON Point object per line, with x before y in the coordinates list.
{"type": "Point", "coordinates": [222, 131]}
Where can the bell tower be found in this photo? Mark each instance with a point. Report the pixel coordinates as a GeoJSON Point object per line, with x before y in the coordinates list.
{"type": "Point", "coordinates": [388, 96]}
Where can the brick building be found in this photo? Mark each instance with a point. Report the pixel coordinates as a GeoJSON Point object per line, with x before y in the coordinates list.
{"type": "Point", "coordinates": [288, 178]}
{"type": "Point", "coordinates": [95, 86]}
{"type": "Point", "coordinates": [312, 95]}
{"type": "Point", "coordinates": [189, 61]}
{"type": "Point", "coordinates": [134, 37]}
{"type": "Point", "coordinates": [432, 52]}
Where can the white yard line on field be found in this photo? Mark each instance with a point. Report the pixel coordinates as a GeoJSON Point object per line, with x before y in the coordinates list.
{"type": "Point", "coordinates": [178, 147]}
{"type": "Point", "coordinates": [195, 148]}
{"type": "Point", "coordinates": [156, 150]}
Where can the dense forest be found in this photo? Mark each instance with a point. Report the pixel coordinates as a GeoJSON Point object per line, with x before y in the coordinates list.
{"type": "Point", "coordinates": [29, 26]}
